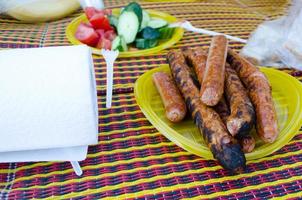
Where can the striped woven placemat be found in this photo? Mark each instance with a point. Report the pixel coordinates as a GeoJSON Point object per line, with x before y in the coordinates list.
{"type": "Point", "coordinates": [133, 160]}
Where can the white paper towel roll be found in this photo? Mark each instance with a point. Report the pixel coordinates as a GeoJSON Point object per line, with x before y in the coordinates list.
{"type": "Point", "coordinates": [47, 98]}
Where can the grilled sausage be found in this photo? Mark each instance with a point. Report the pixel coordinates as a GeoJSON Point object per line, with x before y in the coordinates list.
{"type": "Point", "coordinates": [259, 92]}
{"type": "Point", "coordinates": [173, 102]}
{"type": "Point", "coordinates": [213, 82]}
{"type": "Point", "coordinates": [222, 109]}
{"type": "Point", "coordinates": [224, 147]}
{"type": "Point", "coordinates": [242, 116]}
{"type": "Point", "coordinates": [246, 141]}
{"type": "Point", "coordinates": [197, 58]}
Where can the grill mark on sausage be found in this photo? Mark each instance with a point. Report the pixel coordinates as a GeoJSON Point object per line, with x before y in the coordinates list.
{"type": "Point", "coordinates": [242, 115]}
{"type": "Point", "coordinates": [224, 147]}
{"type": "Point", "coordinates": [259, 91]}
{"type": "Point", "coordinates": [246, 141]}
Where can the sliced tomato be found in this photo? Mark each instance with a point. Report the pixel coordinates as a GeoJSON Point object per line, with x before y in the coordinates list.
{"type": "Point", "coordinates": [110, 35]}
{"type": "Point", "coordinates": [87, 35]}
{"type": "Point", "coordinates": [87, 24]}
{"type": "Point", "coordinates": [104, 43]}
{"type": "Point", "coordinates": [99, 21]}
{"type": "Point", "coordinates": [90, 11]}
{"type": "Point", "coordinates": [106, 24]}
{"type": "Point", "coordinates": [108, 12]}
{"type": "Point", "coordinates": [101, 32]}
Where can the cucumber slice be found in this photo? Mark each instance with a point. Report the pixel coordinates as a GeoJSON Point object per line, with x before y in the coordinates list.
{"type": "Point", "coordinates": [119, 44]}
{"type": "Point", "coordinates": [128, 26]}
{"type": "Point", "coordinates": [113, 20]}
{"type": "Point", "coordinates": [166, 32]}
{"type": "Point", "coordinates": [136, 8]}
{"type": "Point", "coordinates": [141, 43]}
{"type": "Point", "coordinates": [157, 23]}
{"type": "Point", "coordinates": [116, 43]}
{"type": "Point", "coordinates": [145, 20]}
{"type": "Point", "coordinates": [149, 33]}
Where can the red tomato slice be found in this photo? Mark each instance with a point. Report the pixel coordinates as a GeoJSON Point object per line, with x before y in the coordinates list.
{"type": "Point", "coordinates": [108, 12]}
{"type": "Point", "coordinates": [110, 35]}
{"type": "Point", "coordinates": [101, 32]}
{"type": "Point", "coordinates": [90, 11]}
{"type": "Point", "coordinates": [104, 44]}
{"type": "Point", "coordinates": [106, 24]}
{"type": "Point", "coordinates": [87, 35]}
{"type": "Point", "coordinates": [99, 21]}
{"type": "Point", "coordinates": [87, 24]}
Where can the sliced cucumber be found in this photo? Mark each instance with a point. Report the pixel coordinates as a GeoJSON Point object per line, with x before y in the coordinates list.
{"type": "Point", "coordinates": [128, 26]}
{"type": "Point", "coordinates": [145, 20]}
{"type": "Point", "coordinates": [119, 44]}
{"type": "Point", "coordinates": [116, 43]}
{"type": "Point", "coordinates": [136, 8]}
{"type": "Point", "coordinates": [141, 43]}
{"type": "Point", "coordinates": [149, 33]}
{"type": "Point", "coordinates": [113, 20]}
{"type": "Point", "coordinates": [157, 23]}
{"type": "Point", "coordinates": [166, 32]}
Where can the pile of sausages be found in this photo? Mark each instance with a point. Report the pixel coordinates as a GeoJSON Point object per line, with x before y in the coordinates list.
{"type": "Point", "coordinates": [226, 96]}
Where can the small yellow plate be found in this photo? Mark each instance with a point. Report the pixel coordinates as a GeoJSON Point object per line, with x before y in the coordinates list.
{"type": "Point", "coordinates": [178, 34]}
{"type": "Point", "coordinates": [287, 95]}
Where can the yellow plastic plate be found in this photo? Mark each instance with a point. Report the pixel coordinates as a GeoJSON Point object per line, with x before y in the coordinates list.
{"type": "Point", "coordinates": [287, 95]}
{"type": "Point", "coordinates": [178, 33]}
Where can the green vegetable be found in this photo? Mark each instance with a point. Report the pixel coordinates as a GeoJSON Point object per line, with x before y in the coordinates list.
{"type": "Point", "coordinates": [145, 20]}
{"type": "Point", "coordinates": [166, 32]}
{"type": "Point", "coordinates": [128, 26]}
{"type": "Point", "coordinates": [119, 43]}
{"type": "Point", "coordinates": [157, 23]}
{"type": "Point", "coordinates": [136, 8]}
{"type": "Point", "coordinates": [141, 43]}
{"type": "Point", "coordinates": [149, 33]}
{"type": "Point", "coordinates": [113, 20]}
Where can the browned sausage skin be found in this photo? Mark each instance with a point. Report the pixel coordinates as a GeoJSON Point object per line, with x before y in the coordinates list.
{"type": "Point", "coordinates": [197, 58]}
{"type": "Point", "coordinates": [224, 147]}
{"type": "Point", "coordinates": [242, 116]}
{"type": "Point", "coordinates": [213, 81]}
{"type": "Point", "coordinates": [246, 141]}
{"type": "Point", "coordinates": [259, 92]}
{"type": "Point", "coordinates": [223, 110]}
{"type": "Point", "coordinates": [173, 102]}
